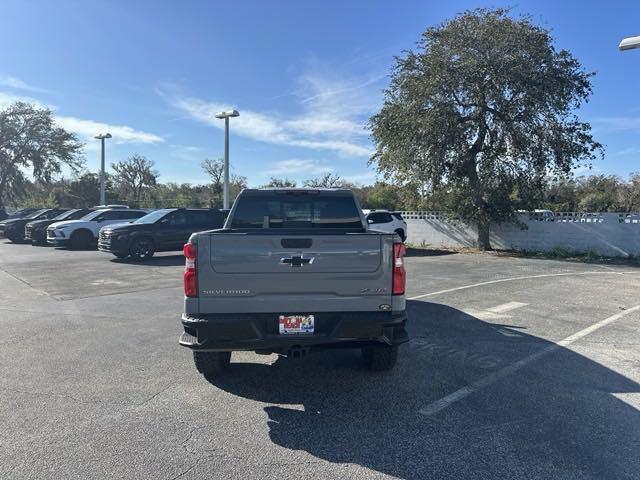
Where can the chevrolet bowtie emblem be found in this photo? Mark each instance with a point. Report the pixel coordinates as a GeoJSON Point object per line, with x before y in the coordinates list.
{"type": "Point", "coordinates": [296, 261]}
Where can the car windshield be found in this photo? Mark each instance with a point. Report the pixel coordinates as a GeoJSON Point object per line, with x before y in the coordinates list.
{"type": "Point", "coordinates": [37, 213]}
{"type": "Point", "coordinates": [64, 215]}
{"type": "Point", "coordinates": [92, 215]}
{"type": "Point", "coordinates": [154, 216]}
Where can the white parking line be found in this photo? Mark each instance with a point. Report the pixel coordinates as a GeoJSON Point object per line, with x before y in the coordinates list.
{"type": "Point", "coordinates": [511, 279]}
{"type": "Point", "coordinates": [444, 402]}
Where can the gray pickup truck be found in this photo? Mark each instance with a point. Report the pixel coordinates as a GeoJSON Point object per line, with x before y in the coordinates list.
{"type": "Point", "coordinates": [293, 270]}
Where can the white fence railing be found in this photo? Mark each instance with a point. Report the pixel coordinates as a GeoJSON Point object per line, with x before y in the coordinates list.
{"type": "Point", "coordinates": [558, 217]}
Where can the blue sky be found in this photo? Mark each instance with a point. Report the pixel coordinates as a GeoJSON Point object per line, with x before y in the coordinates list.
{"type": "Point", "coordinates": [305, 76]}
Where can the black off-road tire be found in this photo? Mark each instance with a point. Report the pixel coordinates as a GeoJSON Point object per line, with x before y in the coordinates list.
{"type": "Point", "coordinates": [80, 240]}
{"type": "Point", "coordinates": [378, 358]}
{"type": "Point", "coordinates": [211, 364]}
{"type": "Point", "coordinates": [142, 249]}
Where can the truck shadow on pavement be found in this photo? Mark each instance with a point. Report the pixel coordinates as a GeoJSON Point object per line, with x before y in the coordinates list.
{"type": "Point", "coordinates": [556, 418]}
{"type": "Point", "coordinates": [172, 260]}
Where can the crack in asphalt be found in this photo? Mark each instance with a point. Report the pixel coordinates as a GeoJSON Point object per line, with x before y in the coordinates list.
{"type": "Point", "coordinates": [155, 394]}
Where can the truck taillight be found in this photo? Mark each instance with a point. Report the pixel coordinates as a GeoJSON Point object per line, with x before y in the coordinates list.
{"type": "Point", "coordinates": [399, 273]}
{"type": "Point", "coordinates": [190, 277]}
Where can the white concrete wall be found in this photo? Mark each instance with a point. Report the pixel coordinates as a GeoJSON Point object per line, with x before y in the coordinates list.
{"type": "Point", "coordinates": [609, 234]}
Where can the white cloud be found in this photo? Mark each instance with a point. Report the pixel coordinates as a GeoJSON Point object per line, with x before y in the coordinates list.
{"type": "Point", "coordinates": [87, 129]}
{"type": "Point", "coordinates": [296, 166]}
{"type": "Point", "coordinates": [7, 99]}
{"type": "Point", "coordinates": [17, 84]}
{"type": "Point", "coordinates": [617, 123]}
{"type": "Point", "coordinates": [275, 129]}
{"type": "Point", "coordinates": [627, 152]}
{"type": "Point", "coordinates": [187, 153]}
{"type": "Point", "coordinates": [364, 178]}
{"type": "Point", "coordinates": [333, 116]}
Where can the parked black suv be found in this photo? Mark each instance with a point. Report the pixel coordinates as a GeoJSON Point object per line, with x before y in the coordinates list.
{"type": "Point", "coordinates": [36, 231]}
{"type": "Point", "coordinates": [162, 230]}
{"type": "Point", "coordinates": [23, 212]}
{"type": "Point", "coordinates": [14, 228]}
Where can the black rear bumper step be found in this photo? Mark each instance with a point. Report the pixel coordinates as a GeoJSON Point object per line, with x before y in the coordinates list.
{"type": "Point", "coordinates": [260, 331]}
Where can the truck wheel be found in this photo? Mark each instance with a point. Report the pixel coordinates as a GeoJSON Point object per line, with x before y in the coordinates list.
{"type": "Point", "coordinates": [142, 249]}
{"type": "Point", "coordinates": [80, 240]}
{"type": "Point", "coordinates": [211, 364]}
{"type": "Point", "coordinates": [382, 357]}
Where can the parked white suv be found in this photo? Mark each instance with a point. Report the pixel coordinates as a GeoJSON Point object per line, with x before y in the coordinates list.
{"type": "Point", "coordinates": [83, 233]}
{"type": "Point", "coordinates": [386, 221]}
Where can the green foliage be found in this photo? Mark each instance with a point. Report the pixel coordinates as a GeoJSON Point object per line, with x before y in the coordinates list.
{"type": "Point", "coordinates": [134, 179]}
{"type": "Point", "coordinates": [590, 255]}
{"type": "Point", "coordinates": [30, 141]}
{"type": "Point", "coordinates": [275, 182]}
{"type": "Point", "coordinates": [560, 251]}
{"type": "Point", "coordinates": [215, 170]}
{"type": "Point", "coordinates": [328, 180]}
{"type": "Point", "coordinates": [483, 109]}
{"type": "Point", "coordinates": [595, 193]}
{"type": "Point", "coordinates": [383, 195]}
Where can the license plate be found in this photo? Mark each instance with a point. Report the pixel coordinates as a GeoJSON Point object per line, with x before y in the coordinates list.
{"type": "Point", "coordinates": [293, 324]}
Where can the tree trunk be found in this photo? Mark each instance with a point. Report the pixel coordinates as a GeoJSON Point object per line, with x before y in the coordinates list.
{"type": "Point", "coordinates": [484, 242]}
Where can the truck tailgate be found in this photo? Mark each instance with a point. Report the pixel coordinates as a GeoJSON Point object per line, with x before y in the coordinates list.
{"type": "Point", "coordinates": [280, 273]}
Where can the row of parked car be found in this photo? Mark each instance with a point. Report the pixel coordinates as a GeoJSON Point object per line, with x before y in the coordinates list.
{"type": "Point", "coordinates": [135, 232]}
{"type": "Point", "coordinates": [117, 229]}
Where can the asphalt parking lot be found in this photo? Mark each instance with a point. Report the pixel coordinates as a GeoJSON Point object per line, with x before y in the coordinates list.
{"type": "Point", "coordinates": [517, 368]}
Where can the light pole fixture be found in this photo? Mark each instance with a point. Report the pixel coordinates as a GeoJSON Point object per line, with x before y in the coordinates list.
{"type": "Point", "coordinates": [226, 115]}
{"type": "Point", "coordinates": [102, 137]}
{"type": "Point", "coordinates": [629, 43]}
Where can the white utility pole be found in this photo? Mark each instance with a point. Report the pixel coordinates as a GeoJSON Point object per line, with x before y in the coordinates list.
{"type": "Point", "coordinates": [226, 115]}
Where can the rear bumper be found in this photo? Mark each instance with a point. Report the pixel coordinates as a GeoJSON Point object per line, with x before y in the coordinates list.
{"type": "Point", "coordinates": [225, 332]}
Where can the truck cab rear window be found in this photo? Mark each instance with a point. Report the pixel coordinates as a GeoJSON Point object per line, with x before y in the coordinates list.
{"type": "Point", "coordinates": [292, 212]}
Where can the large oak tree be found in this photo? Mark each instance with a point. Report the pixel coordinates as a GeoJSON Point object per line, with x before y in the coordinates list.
{"type": "Point", "coordinates": [134, 176]}
{"type": "Point", "coordinates": [484, 109]}
{"type": "Point", "coordinates": [31, 143]}
{"type": "Point", "coordinates": [215, 170]}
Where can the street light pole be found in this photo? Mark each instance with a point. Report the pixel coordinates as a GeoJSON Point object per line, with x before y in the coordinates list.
{"type": "Point", "coordinates": [102, 138]}
{"type": "Point", "coordinates": [226, 116]}
{"type": "Point", "coordinates": [225, 198]}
